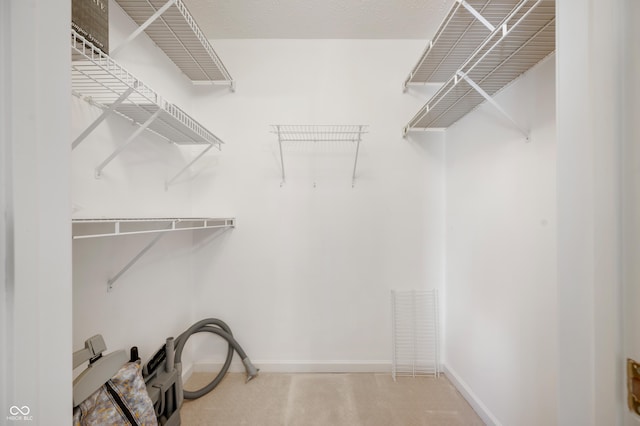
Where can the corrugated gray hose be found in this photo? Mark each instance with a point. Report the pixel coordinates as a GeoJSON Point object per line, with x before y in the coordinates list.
{"type": "Point", "coordinates": [218, 327]}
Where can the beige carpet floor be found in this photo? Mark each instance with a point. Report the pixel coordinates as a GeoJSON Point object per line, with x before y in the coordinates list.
{"type": "Point", "coordinates": [275, 399]}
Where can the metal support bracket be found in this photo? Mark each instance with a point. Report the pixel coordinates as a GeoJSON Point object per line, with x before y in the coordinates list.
{"type": "Point", "coordinates": [184, 169]}
{"type": "Point", "coordinates": [493, 102]}
{"type": "Point", "coordinates": [355, 162]}
{"type": "Point", "coordinates": [101, 118]}
{"type": "Point", "coordinates": [281, 156]}
{"type": "Point", "coordinates": [135, 259]}
{"type": "Point", "coordinates": [477, 15]}
{"type": "Point", "coordinates": [120, 148]}
{"type": "Point", "coordinates": [142, 27]}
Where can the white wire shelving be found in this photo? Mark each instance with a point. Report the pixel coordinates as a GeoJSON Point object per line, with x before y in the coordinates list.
{"type": "Point", "coordinates": [292, 133]}
{"type": "Point", "coordinates": [464, 28]}
{"type": "Point", "coordinates": [172, 28]}
{"type": "Point", "coordinates": [416, 333]}
{"type": "Point", "coordinates": [523, 39]}
{"type": "Point", "coordinates": [100, 80]}
{"type": "Point", "coordinates": [113, 227]}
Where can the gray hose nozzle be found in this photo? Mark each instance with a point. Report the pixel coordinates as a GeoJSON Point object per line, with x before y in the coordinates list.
{"type": "Point", "coordinates": [170, 354]}
{"type": "Point", "coordinates": [252, 371]}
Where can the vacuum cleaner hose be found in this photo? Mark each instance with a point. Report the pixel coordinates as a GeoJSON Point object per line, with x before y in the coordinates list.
{"type": "Point", "coordinates": [216, 326]}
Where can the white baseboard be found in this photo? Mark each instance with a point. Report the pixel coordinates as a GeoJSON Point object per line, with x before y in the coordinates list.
{"type": "Point", "coordinates": [300, 366]}
{"type": "Point", "coordinates": [471, 397]}
{"type": "Point", "coordinates": [186, 373]}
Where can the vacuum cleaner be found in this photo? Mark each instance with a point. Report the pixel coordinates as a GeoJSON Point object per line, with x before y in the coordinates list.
{"type": "Point", "coordinates": [163, 372]}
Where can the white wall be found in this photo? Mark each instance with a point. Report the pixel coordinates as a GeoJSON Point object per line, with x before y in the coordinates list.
{"type": "Point", "coordinates": [589, 106]}
{"type": "Point", "coordinates": [500, 265]}
{"type": "Point", "coordinates": [305, 277]}
{"type": "Point", "coordinates": [630, 194]}
{"type": "Point", "coordinates": [35, 300]}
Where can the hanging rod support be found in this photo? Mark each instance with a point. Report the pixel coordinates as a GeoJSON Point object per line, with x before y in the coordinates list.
{"type": "Point", "coordinates": [477, 15]}
{"type": "Point", "coordinates": [136, 258]}
{"type": "Point", "coordinates": [493, 102]}
{"type": "Point", "coordinates": [355, 163]}
{"type": "Point", "coordinates": [101, 118]}
{"type": "Point", "coordinates": [142, 27]}
{"type": "Point", "coordinates": [173, 179]}
{"type": "Point", "coordinates": [281, 156]}
{"type": "Point", "coordinates": [127, 142]}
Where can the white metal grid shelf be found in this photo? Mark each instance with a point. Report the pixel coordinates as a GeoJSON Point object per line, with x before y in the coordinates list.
{"type": "Point", "coordinates": [415, 327]}
{"type": "Point", "coordinates": [320, 133]}
{"type": "Point", "coordinates": [102, 81]}
{"type": "Point", "coordinates": [98, 77]}
{"type": "Point", "coordinates": [526, 37]}
{"type": "Point", "coordinates": [170, 25]}
{"type": "Point", "coordinates": [112, 227]}
{"type": "Point", "coordinates": [464, 28]}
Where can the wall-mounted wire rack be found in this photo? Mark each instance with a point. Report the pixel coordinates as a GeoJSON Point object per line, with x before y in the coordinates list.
{"type": "Point", "coordinates": [172, 28]}
{"type": "Point", "coordinates": [112, 227]}
{"type": "Point", "coordinates": [524, 38]}
{"type": "Point", "coordinates": [351, 133]}
{"type": "Point", "coordinates": [415, 327]}
{"type": "Point", "coordinates": [100, 80]}
{"type": "Point", "coordinates": [467, 24]}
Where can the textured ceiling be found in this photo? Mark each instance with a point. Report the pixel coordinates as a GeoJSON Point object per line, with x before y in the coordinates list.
{"type": "Point", "coordinates": [319, 19]}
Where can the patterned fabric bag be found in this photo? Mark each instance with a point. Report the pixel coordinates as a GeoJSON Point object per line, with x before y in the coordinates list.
{"type": "Point", "coordinates": [123, 400]}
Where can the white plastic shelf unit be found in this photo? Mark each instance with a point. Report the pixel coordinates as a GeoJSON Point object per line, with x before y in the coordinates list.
{"type": "Point", "coordinates": [525, 37]}
{"type": "Point", "coordinates": [110, 227]}
{"type": "Point", "coordinates": [103, 82]}
{"type": "Point", "coordinates": [172, 28]}
{"type": "Point", "coordinates": [320, 133]}
{"type": "Point", "coordinates": [464, 28]}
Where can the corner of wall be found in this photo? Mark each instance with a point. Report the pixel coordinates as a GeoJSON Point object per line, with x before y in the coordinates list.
{"type": "Point", "coordinates": [473, 400]}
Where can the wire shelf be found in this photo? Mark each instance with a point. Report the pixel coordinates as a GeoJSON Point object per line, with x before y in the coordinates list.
{"type": "Point", "coordinates": [96, 76]}
{"type": "Point", "coordinates": [327, 134]}
{"type": "Point", "coordinates": [457, 38]}
{"type": "Point", "coordinates": [416, 342]}
{"type": "Point", "coordinates": [526, 37]}
{"type": "Point", "coordinates": [319, 133]}
{"type": "Point", "coordinates": [110, 227]}
{"type": "Point", "coordinates": [160, 226]}
{"type": "Point", "coordinates": [178, 35]}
